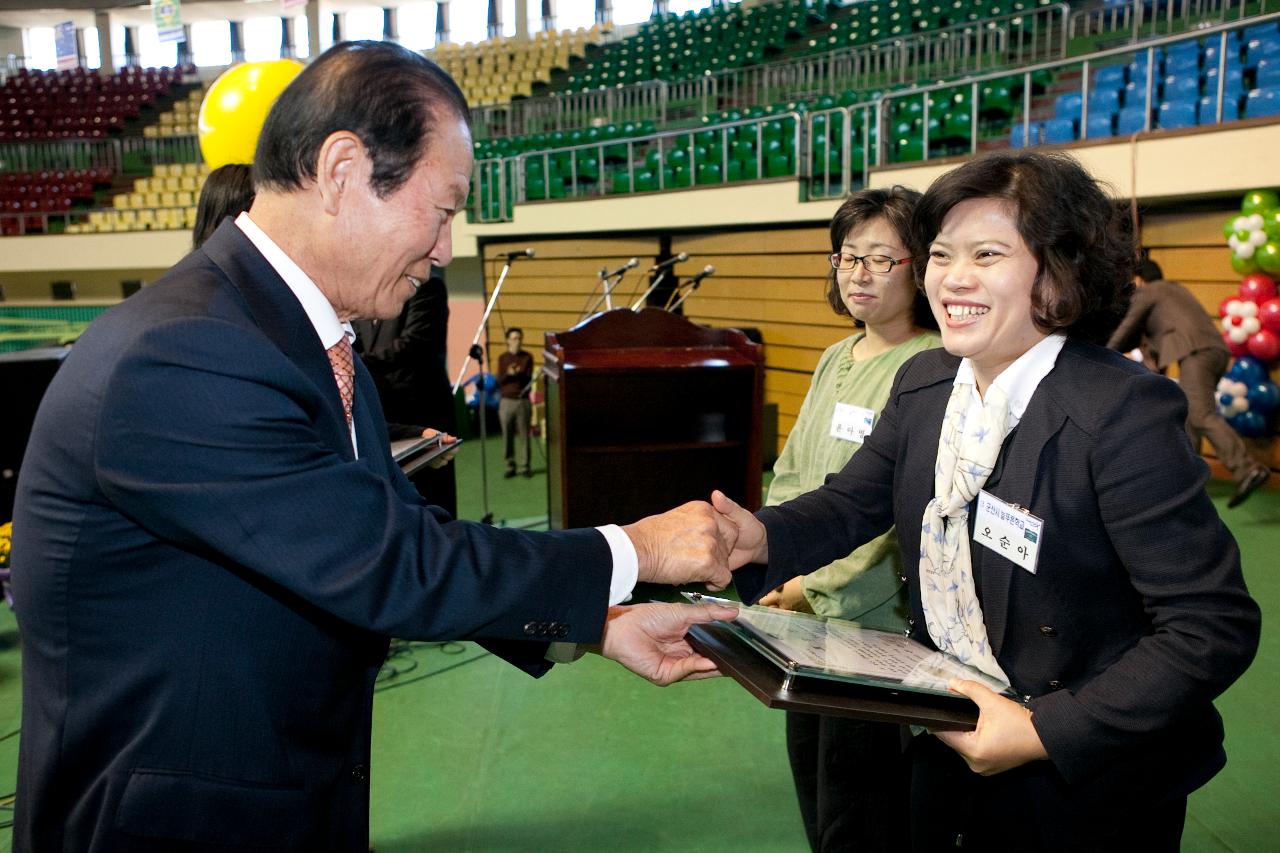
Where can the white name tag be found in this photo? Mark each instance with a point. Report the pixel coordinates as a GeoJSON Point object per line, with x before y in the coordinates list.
{"type": "Point", "coordinates": [852, 423]}
{"type": "Point", "coordinates": [1009, 530]}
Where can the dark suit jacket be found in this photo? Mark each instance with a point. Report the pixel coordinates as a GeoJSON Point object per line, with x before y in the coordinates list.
{"type": "Point", "coordinates": [1168, 321]}
{"type": "Point", "coordinates": [408, 358]}
{"type": "Point", "coordinates": [1137, 615]}
{"type": "Point", "coordinates": [209, 578]}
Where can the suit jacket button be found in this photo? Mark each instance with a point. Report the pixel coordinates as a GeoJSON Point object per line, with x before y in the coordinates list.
{"type": "Point", "coordinates": [1055, 685]}
{"type": "Point", "coordinates": [359, 774]}
{"type": "Point", "coordinates": [531, 629]}
{"type": "Point", "coordinates": [1048, 631]}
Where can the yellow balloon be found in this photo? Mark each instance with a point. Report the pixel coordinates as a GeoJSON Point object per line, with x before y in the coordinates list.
{"type": "Point", "coordinates": [236, 106]}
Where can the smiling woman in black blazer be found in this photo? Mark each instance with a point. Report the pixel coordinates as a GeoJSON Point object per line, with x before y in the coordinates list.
{"type": "Point", "coordinates": [1131, 616]}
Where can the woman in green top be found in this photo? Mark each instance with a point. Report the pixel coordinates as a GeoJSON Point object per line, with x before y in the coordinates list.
{"type": "Point", "coordinates": [850, 776]}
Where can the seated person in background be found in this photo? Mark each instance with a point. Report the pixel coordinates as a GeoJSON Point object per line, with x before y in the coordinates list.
{"type": "Point", "coordinates": [850, 775]}
{"type": "Point", "coordinates": [227, 191]}
{"type": "Point", "coordinates": [1173, 328]}
{"type": "Point", "coordinates": [1125, 616]}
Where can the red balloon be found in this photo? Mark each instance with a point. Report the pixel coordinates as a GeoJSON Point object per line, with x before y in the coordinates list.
{"type": "Point", "coordinates": [1222, 306]}
{"type": "Point", "coordinates": [1269, 315]}
{"type": "Point", "coordinates": [1257, 288]}
{"type": "Point", "coordinates": [1237, 349]}
{"type": "Point", "coordinates": [1264, 345]}
{"type": "Point", "coordinates": [1237, 320]}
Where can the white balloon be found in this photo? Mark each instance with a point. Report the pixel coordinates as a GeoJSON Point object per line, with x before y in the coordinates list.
{"type": "Point", "coordinates": [1257, 238]}
{"type": "Point", "coordinates": [1245, 250]}
{"type": "Point", "coordinates": [1234, 242]}
{"type": "Point", "coordinates": [1253, 222]}
{"type": "Point", "coordinates": [1239, 389]}
{"type": "Point", "coordinates": [1248, 308]}
{"type": "Point", "coordinates": [1225, 385]}
{"type": "Point", "coordinates": [1237, 335]}
{"type": "Point", "coordinates": [1251, 325]}
{"type": "Point", "coordinates": [1233, 307]}
{"type": "Point", "coordinates": [1240, 404]}
{"type": "Point", "coordinates": [1240, 223]}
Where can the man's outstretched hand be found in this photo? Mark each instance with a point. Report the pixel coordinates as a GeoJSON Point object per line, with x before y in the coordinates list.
{"type": "Point", "coordinates": [688, 544]}
{"type": "Point", "coordinates": [649, 640]}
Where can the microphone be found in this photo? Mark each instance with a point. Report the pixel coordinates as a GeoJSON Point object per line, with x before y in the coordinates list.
{"type": "Point", "coordinates": [706, 271]}
{"type": "Point", "coordinates": [634, 262]}
{"type": "Point", "coordinates": [669, 262]}
{"type": "Point", "coordinates": [520, 253]}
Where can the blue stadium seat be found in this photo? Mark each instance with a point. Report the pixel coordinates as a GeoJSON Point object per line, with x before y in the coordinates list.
{"type": "Point", "coordinates": [1268, 73]}
{"type": "Point", "coordinates": [1262, 102]}
{"type": "Point", "coordinates": [1260, 32]}
{"type": "Point", "coordinates": [1068, 106]}
{"type": "Point", "coordinates": [1233, 87]}
{"type": "Point", "coordinates": [1179, 87]}
{"type": "Point", "coordinates": [1104, 101]}
{"type": "Point", "coordinates": [1101, 125]}
{"type": "Point", "coordinates": [1018, 139]}
{"type": "Point", "coordinates": [1131, 120]}
{"type": "Point", "coordinates": [1135, 94]}
{"type": "Point", "coordinates": [1109, 77]}
{"type": "Point", "coordinates": [1058, 131]}
{"type": "Point", "coordinates": [1175, 114]}
{"type": "Point", "coordinates": [1208, 109]}
{"type": "Point", "coordinates": [1260, 49]}
{"type": "Point", "coordinates": [1137, 69]}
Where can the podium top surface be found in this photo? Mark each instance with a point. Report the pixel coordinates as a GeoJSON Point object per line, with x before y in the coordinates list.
{"type": "Point", "coordinates": [649, 328]}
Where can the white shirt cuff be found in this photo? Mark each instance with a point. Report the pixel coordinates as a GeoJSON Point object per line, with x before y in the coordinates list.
{"type": "Point", "coordinates": [626, 564]}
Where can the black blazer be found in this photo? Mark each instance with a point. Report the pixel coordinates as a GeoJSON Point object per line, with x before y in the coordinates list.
{"type": "Point", "coordinates": [209, 577]}
{"type": "Point", "coordinates": [1137, 615]}
{"type": "Point", "coordinates": [407, 357]}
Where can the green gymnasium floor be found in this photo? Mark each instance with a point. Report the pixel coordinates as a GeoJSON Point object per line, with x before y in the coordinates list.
{"type": "Point", "coordinates": [472, 755]}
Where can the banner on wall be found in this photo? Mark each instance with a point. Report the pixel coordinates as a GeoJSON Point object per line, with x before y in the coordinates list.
{"type": "Point", "coordinates": [64, 43]}
{"type": "Point", "coordinates": [167, 15]}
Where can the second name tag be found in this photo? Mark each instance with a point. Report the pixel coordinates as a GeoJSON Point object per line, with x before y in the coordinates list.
{"type": "Point", "coordinates": [1009, 530]}
{"type": "Point", "coordinates": [852, 423]}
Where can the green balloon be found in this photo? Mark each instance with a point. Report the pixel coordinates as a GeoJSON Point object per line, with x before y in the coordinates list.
{"type": "Point", "coordinates": [1268, 257]}
{"type": "Point", "coordinates": [1229, 227]}
{"type": "Point", "coordinates": [1242, 235]}
{"type": "Point", "coordinates": [1244, 266]}
{"type": "Point", "coordinates": [1271, 224]}
{"type": "Point", "coordinates": [1259, 201]}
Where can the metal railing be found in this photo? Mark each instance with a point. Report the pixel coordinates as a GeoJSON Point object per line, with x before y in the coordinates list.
{"type": "Point", "coordinates": [617, 166]}
{"type": "Point", "coordinates": [1141, 20]}
{"type": "Point", "coordinates": [1004, 41]}
{"type": "Point", "coordinates": [131, 153]}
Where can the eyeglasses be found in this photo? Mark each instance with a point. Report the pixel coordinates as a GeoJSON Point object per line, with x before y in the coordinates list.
{"type": "Point", "coordinates": [878, 264]}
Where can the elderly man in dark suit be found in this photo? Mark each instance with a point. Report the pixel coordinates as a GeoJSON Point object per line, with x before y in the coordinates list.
{"type": "Point", "coordinates": [1172, 328]}
{"type": "Point", "coordinates": [214, 557]}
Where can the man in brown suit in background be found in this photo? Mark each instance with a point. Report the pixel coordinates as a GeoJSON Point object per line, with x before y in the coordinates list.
{"type": "Point", "coordinates": [1173, 328]}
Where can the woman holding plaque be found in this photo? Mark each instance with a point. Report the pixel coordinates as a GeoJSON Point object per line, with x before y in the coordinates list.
{"type": "Point", "coordinates": [840, 765]}
{"type": "Point", "coordinates": [1054, 524]}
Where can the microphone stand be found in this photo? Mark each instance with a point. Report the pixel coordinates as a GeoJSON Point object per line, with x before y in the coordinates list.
{"type": "Point", "coordinates": [688, 287]}
{"type": "Point", "coordinates": [482, 409]}
{"type": "Point", "coordinates": [657, 282]}
{"type": "Point", "coordinates": [605, 297]}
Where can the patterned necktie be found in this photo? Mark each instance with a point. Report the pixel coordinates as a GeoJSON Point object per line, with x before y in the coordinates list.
{"type": "Point", "coordinates": [966, 458]}
{"type": "Point", "coordinates": [344, 373]}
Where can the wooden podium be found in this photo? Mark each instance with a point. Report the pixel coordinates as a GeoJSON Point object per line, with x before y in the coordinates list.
{"type": "Point", "coordinates": [646, 411]}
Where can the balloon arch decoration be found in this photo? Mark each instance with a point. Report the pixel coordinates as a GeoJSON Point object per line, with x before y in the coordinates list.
{"type": "Point", "coordinates": [1247, 397]}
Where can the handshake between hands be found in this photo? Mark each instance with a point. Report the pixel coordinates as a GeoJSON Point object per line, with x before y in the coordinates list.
{"type": "Point", "coordinates": [698, 542]}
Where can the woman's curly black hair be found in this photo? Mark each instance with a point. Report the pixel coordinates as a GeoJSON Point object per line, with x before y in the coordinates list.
{"type": "Point", "coordinates": [1080, 239]}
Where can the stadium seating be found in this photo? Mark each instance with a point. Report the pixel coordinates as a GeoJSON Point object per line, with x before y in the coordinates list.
{"type": "Point", "coordinates": [38, 105]}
